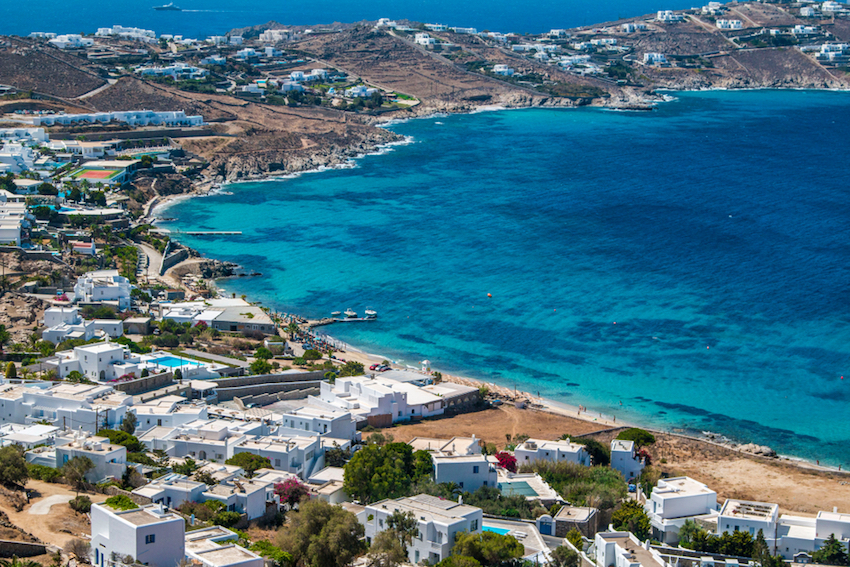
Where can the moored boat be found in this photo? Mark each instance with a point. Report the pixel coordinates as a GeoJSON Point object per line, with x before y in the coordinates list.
{"type": "Point", "coordinates": [170, 7]}
{"type": "Point", "coordinates": [350, 314]}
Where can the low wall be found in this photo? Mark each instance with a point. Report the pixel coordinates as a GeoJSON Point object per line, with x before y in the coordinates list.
{"type": "Point", "coordinates": [21, 548]}
{"type": "Point", "coordinates": [269, 379]}
{"type": "Point", "coordinates": [226, 394]}
{"type": "Point", "coordinates": [146, 384]}
{"type": "Point", "coordinates": [173, 259]}
{"type": "Point", "coordinates": [270, 398]}
{"type": "Point", "coordinates": [137, 498]}
{"type": "Point", "coordinates": [133, 134]}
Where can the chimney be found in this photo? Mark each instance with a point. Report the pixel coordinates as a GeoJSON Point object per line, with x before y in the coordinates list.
{"type": "Point", "coordinates": [835, 509]}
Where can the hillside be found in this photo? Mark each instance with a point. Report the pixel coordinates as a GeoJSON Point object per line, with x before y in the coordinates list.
{"type": "Point", "coordinates": [30, 66]}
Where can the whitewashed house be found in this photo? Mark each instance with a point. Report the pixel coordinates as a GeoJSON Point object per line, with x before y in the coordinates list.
{"type": "Point", "coordinates": [103, 286]}
{"type": "Point", "coordinates": [539, 450]}
{"type": "Point", "coordinates": [675, 500]}
{"type": "Point", "coordinates": [172, 490]}
{"type": "Point", "coordinates": [439, 522]}
{"type": "Point", "coordinates": [623, 549]}
{"type": "Point", "coordinates": [624, 458]}
{"type": "Point", "coordinates": [149, 535]}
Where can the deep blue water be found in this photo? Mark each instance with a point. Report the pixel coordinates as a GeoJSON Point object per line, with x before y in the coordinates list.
{"type": "Point", "coordinates": [202, 18]}
{"type": "Point", "coordinates": [690, 263]}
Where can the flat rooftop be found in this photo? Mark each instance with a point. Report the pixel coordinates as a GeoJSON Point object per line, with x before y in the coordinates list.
{"type": "Point", "coordinates": [638, 553]}
{"type": "Point", "coordinates": [225, 555]}
{"type": "Point", "coordinates": [575, 513]}
{"type": "Point", "coordinates": [144, 516]}
{"type": "Point", "coordinates": [749, 510]}
{"type": "Point", "coordinates": [680, 486]}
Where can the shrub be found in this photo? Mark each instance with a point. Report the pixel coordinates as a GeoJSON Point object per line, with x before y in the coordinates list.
{"type": "Point", "coordinates": [81, 504]}
{"type": "Point", "coordinates": [41, 472]}
{"type": "Point", "coordinates": [226, 519]}
{"type": "Point", "coordinates": [641, 437]}
{"type": "Point", "coordinates": [120, 502]}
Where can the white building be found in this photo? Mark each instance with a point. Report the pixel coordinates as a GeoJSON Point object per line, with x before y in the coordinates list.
{"type": "Point", "coordinates": [360, 91]}
{"type": "Point", "coordinates": [235, 40]}
{"type": "Point", "coordinates": [275, 36]}
{"type": "Point", "coordinates": [64, 405]}
{"type": "Point", "coordinates": [805, 30]}
{"type": "Point", "coordinates": [103, 286]}
{"type": "Point", "coordinates": [15, 158]}
{"type": "Point", "coordinates": [675, 500]}
{"type": "Point", "coordinates": [729, 24]}
{"type": "Point", "coordinates": [96, 362]}
{"type": "Point", "coordinates": [172, 490]}
{"type": "Point", "coordinates": [319, 418]}
{"type": "Point", "coordinates": [177, 71]}
{"type": "Point", "coordinates": [787, 535]}
{"type": "Point", "coordinates": [624, 458]}
{"type": "Point", "coordinates": [28, 136]}
{"type": "Point", "coordinates": [169, 411]}
{"type": "Point", "coordinates": [223, 314]}
{"type": "Point", "coordinates": [299, 455]}
{"type": "Point", "coordinates": [14, 218]}
{"type": "Point", "coordinates": [464, 31]}
{"type": "Point", "coordinates": [66, 323]}
{"type": "Point", "coordinates": [470, 472]}
{"type": "Point", "coordinates": [712, 9]}
{"type": "Point", "coordinates": [109, 460]}
{"type": "Point", "coordinates": [807, 12]}
{"type": "Point", "coordinates": [502, 69]}
{"type": "Point", "coordinates": [832, 7]}
{"type": "Point", "coordinates": [439, 522]}
{"type": "Point", "coordinates": [245, 496]}
{"type": "Point", "coordinates": [380, 399]}
{"type": "Point", "coordinates": [135, 34]}
{"type": "Point", "coordinates": [436, 27]}
{"type": "Point", "coordinates": [558, 451]}
{"type": "Point", "coordinates": [71, 41]}
{"type": "Point", "coordinates": [148, 534]}
{"type": "Point", "coordinates": [424, 39]}
{"type": "Point", "coordinates": [215, 547]}
{"type": "Point", "coordinates": [654, 59]}
{"type": "Point", "coordinates": [623, 549]}
{"type": "Point", "coordinates": [669, 17]}
{"type": "Point", "coordinates": [131, 117]}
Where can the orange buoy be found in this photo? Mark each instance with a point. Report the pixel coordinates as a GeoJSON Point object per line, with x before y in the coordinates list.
{"type": "Point", "coordinates": [489, 295]}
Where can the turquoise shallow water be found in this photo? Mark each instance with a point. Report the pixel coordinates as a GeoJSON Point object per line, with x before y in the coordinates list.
{"type": "Point", "coordinates": [689, 263]}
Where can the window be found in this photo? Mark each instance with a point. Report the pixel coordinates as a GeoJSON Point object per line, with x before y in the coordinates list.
{"type": "Point", "coordinates": [736, 528]}
{"type": "Point", "coordinates": [473, 526]}
{"type": "Point", "coordinates": [381, 523]}
{"type": "Point", "coordinates": [277, 462]}
{"type": "Point", "coordinates": [475, 469]}
{"type": "Point", "coordinates": [150, 538]}
{"type": "Point", "coordinates": [461, 485]}
{"type": "Point", "coordinates": [752, 531]}
{"type": "Point", "coordinates": [159, 422]}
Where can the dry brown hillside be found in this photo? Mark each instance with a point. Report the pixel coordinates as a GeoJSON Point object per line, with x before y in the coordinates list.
{"type": "Point", "coordinates": [30, 66]}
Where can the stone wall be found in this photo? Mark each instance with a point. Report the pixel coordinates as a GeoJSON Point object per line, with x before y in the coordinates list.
{"type": "Point", "coordinates": [173, 259]}
{"type": "Point", "coordinates": [21, 548]}
{"type": "Point", "coordinates": [226, 394]}
{"type": "Point", "coordinates": [146, 384]}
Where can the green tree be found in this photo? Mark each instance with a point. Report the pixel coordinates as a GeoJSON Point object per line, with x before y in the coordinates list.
{"type": "Point", "coordinates": [404, 527]}
{"type": "Point", "coordinates": [249, 462]}
{"type": "Point", "coordinates": [11, 371]}
{"type": "Point", "coordinates": [263, 353]}
{"type": "Point", "coordinates": [260, 366]}
{"type": "Point", "coordinates": [351, 368]}
{"type": "Point", "coordinates": [13, 465]}
{"type": "Point", "coordinates": [187, 468]}
{"type": "Point", "coordinates": [75, 471]}
{"type": "Point", "coordinates": [320, 534]}
{"type": "Point", "coordinates": [378, 472]}
{"type": "Point", "coordinates": [75, 194]}
{"type": "Point", "coordinates": [690, 530]}
{"type": "Point", "coordinates": [458, 561]}
{"type": "Point", "coordinates": [386, 551]}
{"type": "Point", "coordinates": [116, 437]}
{"type": "Point", "coordinates": [81, 504]}
{"type": "Point", "coordinates": [599, 453]}
{"type": "Point", "coordinates": [563, 556]}
{"type": "Point", "coordinates": [641, 437]}
{"type": "Point", "coordinates": [128, 424]}
{"type": "Point", "coordinates": [178, 375]}
{"type": "Point", "coordinates": [574, 537]}
{"type": "Point", "coordinates": [312, 354]}
{"type": "Point", "coordinates": [630, 516]}
{"type": "Point", "coordinates": [47, 189]}
{"type": "Point", "coordinates": [833, 552]}
{"type": "Point", "coordinates": [488, 548]}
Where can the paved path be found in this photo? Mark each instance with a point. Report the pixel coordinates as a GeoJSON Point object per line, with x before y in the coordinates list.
{"type": "Point", "coordinates": [42, 507]}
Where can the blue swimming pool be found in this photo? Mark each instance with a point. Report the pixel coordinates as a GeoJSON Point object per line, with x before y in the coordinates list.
{"type": "Point", "coordinates": [501, 531]}
{"type": "Point", "coordinates": [174, 362]}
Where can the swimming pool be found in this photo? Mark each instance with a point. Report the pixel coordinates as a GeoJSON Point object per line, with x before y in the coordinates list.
{"type": "Point", "coordinates": [174, 362]}
{"type": "Point", "coordinates": [501, 531]}
{"type": "Point", "coordinates": [520, 488]}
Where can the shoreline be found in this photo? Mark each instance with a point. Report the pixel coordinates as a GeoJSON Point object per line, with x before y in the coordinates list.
{"type": "Point", "coordinates": [207, 187]}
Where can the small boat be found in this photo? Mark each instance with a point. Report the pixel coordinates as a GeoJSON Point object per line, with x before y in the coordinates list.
{"type": "Point", "coordinates": [350, 314]}
{"type": "Point", "coordinates": [370, 314]}
{"type": "Point", "coordinates": [336, 313]}
{"type": "Point", "coordinates": [170, 7]}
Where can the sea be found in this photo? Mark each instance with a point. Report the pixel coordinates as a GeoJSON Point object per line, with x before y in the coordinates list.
{"type": "Point", "coordinates": [686, 268]}
{"type": "Point", "coordinates": [203, 18]}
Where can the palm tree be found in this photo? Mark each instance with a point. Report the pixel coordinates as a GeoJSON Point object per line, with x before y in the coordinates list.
{"type": "Point", "coordinates": [292, 328]}
{"type": "Point", "coordinates": [15, 561]}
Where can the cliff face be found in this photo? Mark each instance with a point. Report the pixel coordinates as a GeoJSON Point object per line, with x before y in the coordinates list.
{"type": "Point", "coordinates": [270, 153]}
